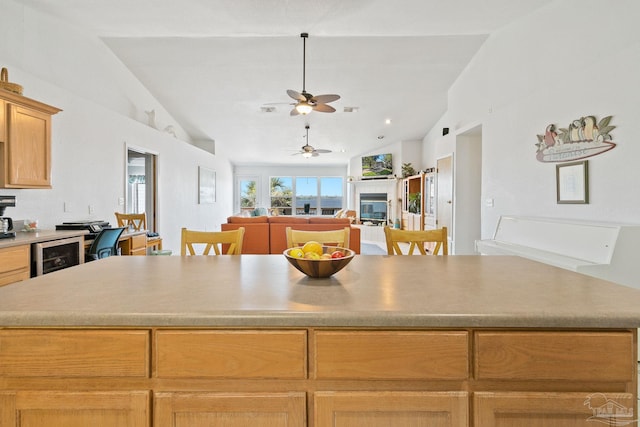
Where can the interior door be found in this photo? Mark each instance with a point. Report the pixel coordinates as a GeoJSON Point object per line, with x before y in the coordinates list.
{"type": "Point", "coordinates": [444, 212]}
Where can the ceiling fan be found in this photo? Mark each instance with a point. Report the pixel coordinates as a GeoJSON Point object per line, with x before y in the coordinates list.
{"type": "Point", "coordinates": [308, 151]}
{"type": "Point", "coordinates": [306, 101]}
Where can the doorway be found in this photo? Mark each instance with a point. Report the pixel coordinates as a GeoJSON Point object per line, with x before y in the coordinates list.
{"type": "Point", "coordinates": [141, 184]}
{"type": "Point", "coordinates": [468, 188]}
{"type": "Point", "coordinates": [444, 206]}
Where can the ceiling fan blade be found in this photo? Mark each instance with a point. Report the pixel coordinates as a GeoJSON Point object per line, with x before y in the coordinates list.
{"type": "Point", "coordinates": [294, 112]}
{"type": "Point", "coordinates": [315, 154]}
{"type": "Point", "coordinates": [321, 151]}
{"type": "Point", "coordinates": [324, 99]}
{"type": "Point", "coordinates": [324, 108]}
{"type": "Point", "coordinates": [296, 95]}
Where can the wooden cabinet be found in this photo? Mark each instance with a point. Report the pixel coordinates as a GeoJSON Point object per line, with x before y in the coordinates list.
{"type": "Point", "coordinates": [74, 409]}
{"type": "Point", "coordinates": [412, 202]}
{"type": "Point", "coordinates": [25, 142]}
{"type": "Point", "coordinates": [391, 408]}
{"type": "Point", "coordinates": [316, 377]}
{"type": "Point", "coordinates": [378, 355]}
{"type": "Point", "coordinates": [528, 409]}
{"type": "Point", "coordinates": [69, 378]}
{"type": "Point", "coordinates": [135, 244]}
{"type": "Point", "coordinates": [429, 198]}
{"type": "Point", "coordinates": [231, 354]}
{"type": "Point", "coordinates": [181, 409]}
{"type": "Point", "coordinates": [536, 375]}
{"type": "Point", "coordinates": [14, 264]}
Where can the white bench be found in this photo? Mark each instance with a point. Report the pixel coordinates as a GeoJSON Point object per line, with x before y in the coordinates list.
{"type": "Point", "coordinates": [605, 250]}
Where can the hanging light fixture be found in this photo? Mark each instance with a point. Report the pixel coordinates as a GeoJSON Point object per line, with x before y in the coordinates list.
{"type": "Point", "coordinates": [307, 102]}
{"type": "Point", "coordinates": [304, 108]}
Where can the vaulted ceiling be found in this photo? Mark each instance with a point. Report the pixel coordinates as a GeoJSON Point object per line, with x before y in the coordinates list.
{"type": "Point", "coordinates": [216, 65]}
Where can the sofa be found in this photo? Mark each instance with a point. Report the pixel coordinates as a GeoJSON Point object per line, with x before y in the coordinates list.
{"type": "Point", "coordinates": [267, 235]}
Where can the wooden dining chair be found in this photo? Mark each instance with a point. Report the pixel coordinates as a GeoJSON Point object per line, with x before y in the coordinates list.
{"type": "Point", "coordinates": [330, 237]}
{"type": "Point", "coordinates": [139, 223]}
{"type": "Point", "coordinates": [416, 239]}
{"type": "Point", "coordinates": [218, 240]}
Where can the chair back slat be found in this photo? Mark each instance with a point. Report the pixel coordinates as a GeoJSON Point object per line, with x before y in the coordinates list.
{"type": "Point", "coordinates": [329, 237]}
{"type": "Point", "coordinates": [416, 239]}
{"type": "Point", "coordinates": [137, 221]}
{"type": "Point", "coordinates": [216, 240]}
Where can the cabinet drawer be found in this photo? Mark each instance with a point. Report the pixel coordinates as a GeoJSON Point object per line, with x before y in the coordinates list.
{"type": "Point", "coordinates": [14, 258]}
{"type": "Point", "coordinates": [14, 264]}
{"type": "Point", "coordinates": [67, 353]}
{"type": "Point", "coordinates": [391, 355]}
{"type": "Point", "coordinates": [586, 356]}
{"type": "Point", "coordinates": [231, 354]}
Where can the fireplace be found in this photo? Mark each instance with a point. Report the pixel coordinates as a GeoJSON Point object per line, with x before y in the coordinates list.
{"type": "Point", "coordinates": [373, 208]}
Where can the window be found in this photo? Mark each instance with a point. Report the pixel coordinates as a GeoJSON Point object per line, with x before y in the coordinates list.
{"type": "Point", "coordinates": [310, 195]}
{"type": "Point", "coordinates": [248, 194]}
{"type": "Point", "coordinates": [281, 194]}
{"type": "Point", "coordinates": [330, 195]}
{"type": "Point", "coordinates": [306, 195]}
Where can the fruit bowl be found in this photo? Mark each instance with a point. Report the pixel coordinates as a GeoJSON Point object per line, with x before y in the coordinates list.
{"type": "Point", "coordinates": [319, 268]}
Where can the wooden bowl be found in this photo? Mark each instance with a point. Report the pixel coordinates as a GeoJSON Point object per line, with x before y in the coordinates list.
{"type": "Point", "coordinates": [319, 268]}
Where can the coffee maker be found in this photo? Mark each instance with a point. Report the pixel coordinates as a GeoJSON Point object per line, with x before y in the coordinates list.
{"type": "Point", "coordinates": [6, 223]}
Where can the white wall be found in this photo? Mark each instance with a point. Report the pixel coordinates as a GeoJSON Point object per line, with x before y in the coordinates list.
{"type": "Point", "coordinates": [103, 108]}
{"type": "Point", "coordinates": [569, 59]}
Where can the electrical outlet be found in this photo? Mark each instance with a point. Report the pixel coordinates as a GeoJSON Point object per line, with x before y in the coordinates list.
{"type": "Point", "coordinates": [121, 201]}
{"type": "Point", "coordinates": [91, 209]}
{"type": "Point", "coordinates": [67, 207]}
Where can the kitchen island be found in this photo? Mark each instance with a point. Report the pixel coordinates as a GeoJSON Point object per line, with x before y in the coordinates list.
{"type": "Point", "coordinates": [444, 341]}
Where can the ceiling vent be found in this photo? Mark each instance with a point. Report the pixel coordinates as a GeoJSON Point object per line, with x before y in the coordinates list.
{"type": "Point", "coordinates": [351, 109]}
{"type": "Point", "coordinates": [268, 109]}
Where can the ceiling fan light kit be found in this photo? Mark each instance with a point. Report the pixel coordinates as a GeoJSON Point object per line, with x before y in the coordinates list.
{"type": "Point", "coordinates": [306, 101]}
{"type": "Point", "coordinates": [308, 151]}
{"type": "Point", "coordinates": [304, 108]}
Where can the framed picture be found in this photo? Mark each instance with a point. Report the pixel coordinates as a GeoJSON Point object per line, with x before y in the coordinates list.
{"type": "Point", "coordinates": [572, 182]}
{"type": "Point", "coordinates": [206, 186]}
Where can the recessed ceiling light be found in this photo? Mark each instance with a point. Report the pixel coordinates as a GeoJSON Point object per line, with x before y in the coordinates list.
{"type": "Point", "coordinates": [388, 121]}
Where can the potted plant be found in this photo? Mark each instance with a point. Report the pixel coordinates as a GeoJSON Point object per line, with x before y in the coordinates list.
{"type": "Point", "coordinates": [414, 203]}
{"type": "Point", "coordinates": [407, 170]}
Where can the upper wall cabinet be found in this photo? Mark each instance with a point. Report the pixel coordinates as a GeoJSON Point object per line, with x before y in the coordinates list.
{"type": "Point", "coordinates": [25, 142]}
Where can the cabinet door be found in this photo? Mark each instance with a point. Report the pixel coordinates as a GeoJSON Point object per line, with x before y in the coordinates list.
{"type": "Point", "coordinates": [586, 409]}
{"type": "Point", "coordinates": [230, 409]}
{"type": "Point", "coordinates": [391, 409]}
{"type": "Point", "coordinates": [29, 148]}
{"type": "Point", "coordinates": [71, 409]}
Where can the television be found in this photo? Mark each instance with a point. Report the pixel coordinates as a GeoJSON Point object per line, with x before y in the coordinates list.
{"type": "Point", "coordinates": [378, 165]}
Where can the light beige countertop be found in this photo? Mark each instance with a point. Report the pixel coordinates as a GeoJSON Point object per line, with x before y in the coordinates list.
{"type": "Point", "coordinates": [264, 290]}
{"type": "Point", "coordinates": [29, 237]}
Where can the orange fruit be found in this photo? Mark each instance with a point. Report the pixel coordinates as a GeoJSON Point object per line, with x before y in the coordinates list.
{"type": "Point", "coordinates": [312, 246]}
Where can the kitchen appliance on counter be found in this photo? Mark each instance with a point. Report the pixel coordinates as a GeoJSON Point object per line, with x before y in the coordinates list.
{"type": "Point", "coordinates": [93, 227]}
{"type": "Point", "coordinates": [6, 223]}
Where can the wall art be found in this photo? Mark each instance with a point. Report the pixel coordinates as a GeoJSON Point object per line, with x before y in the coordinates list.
{"type": "Point", "coordinates": [572, 182]}
{"type": "Point", "coordinates": [206, 186]}
{"type": "Point", "coordinates": [584, 137]}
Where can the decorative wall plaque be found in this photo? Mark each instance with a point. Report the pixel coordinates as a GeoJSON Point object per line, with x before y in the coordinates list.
{"type": "Point", "coordinates": [584, 137]}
